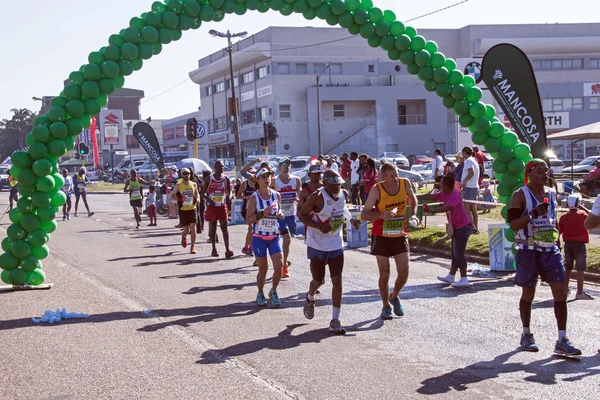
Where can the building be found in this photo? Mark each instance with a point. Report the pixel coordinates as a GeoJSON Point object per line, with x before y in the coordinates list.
{"type": "Point", "coordinates": [370, 103]}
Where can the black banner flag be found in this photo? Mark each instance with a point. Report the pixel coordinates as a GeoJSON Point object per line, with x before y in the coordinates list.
{"type": "Point", "coordinates": [147, 138]}
{"type": "Point", "coordinates": [509, 76]}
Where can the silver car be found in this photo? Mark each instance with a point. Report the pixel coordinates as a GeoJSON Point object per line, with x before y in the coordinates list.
{"type": "Point", "coordinates": [400, 160]}
{"type": "Point", "coordinates": [415, 178]}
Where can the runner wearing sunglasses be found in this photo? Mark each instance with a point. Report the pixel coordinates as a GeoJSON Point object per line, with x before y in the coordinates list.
{"type": "Point", "coordinates": [289, 187]}
{"type": "Point", "coordinates": [216, 191]}
{"type": "Point", "coordinates": [187, 191]}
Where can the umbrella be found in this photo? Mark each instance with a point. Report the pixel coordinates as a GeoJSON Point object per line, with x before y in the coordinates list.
{"type": "Point", "coordinates": [591, 131]}
{"type": "Point", "coordinates": [195, 163]}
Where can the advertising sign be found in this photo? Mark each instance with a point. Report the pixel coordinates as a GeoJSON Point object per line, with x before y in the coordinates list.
{"type": "Point", "coordinates": [111, 128]}
{"type": "Point", "coordinates": [180, 132]}
{"type": "Point", "coordinates": [591, 89]}
{"type": "Point", "coordinates": [501, 256]}
{"type": "Point", "coordinates": [168, 134]}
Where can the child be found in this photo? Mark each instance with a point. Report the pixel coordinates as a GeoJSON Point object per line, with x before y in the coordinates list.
{"type": "Point", "coordinates": [575, 236]}
{"type": "Point", "coordinates": [487, 196]}
{"type": "Point", "coordinates": [151, 205]}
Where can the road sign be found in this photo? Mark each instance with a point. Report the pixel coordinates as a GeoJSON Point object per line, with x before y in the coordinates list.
{"type": "Point", "coordinates": [121, 153]}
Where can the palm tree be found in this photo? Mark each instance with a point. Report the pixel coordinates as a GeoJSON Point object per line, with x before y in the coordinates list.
{"type": "Point", "coordinates": [13, 131]}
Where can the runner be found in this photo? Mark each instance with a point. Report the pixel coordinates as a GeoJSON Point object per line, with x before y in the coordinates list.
{"type": "Point", "coordinates": [216, 192]}
{"type": "Point", "coordinates": [133, 186]}
{"type": "Point", "coordinates": [314, 174]}
{"type": "Point", "coordinates": [532, 214]}
{"type": "Point", "coordinates": [246, 190]}
{"type": "Point", "coordinates": [188, 192]}
{"type": "Point", "coordinates": [289, 187]}
{"type": "Point", "coordinates": [68, 191]}
{"type": "Point", "coordinates": [323, 215]}
{"type": "Point", "coordinates": [263, 212]}
{"type": "Point", "coordinates": [386, 207]}
{"type": "Point", "coordinates": [14, 191]}
{"type": "Point", "coordinates": [82, 181]}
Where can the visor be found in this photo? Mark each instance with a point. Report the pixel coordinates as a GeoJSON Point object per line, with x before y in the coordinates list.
{"type": "Point", "coordinates": [315, 169]}
{"type": "Point", "coordinates": [263, 171]}
{"type": "Point", "coordinates": [334, 180]}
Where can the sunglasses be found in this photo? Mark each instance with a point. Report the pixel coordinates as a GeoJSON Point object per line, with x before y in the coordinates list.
{"type": "Point", "coordinates": [185, 173]}
{"type": "Point", "coordinates": [285, 163]}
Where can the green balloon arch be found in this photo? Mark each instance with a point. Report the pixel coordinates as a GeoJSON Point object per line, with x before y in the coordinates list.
{"type": "Point", "coordinates": [106, 69]}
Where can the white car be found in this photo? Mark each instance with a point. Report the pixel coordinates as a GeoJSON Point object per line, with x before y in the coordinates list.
{"type": "Point", "coordinates": [426, 171]}
{"type": "Point", "coordinates": [583, 166]}
{"type": "Point", "coordinates": [556, 165]}
{"type": "Point", "coordinates": [399, 158]}
{"type": "Point", "coordinates": [488, 172]}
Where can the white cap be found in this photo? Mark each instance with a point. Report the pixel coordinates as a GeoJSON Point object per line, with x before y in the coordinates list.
{"type": "Point", "coordinates": [82, 169]}
{"type": "Point", "coordinates": [573, 200]}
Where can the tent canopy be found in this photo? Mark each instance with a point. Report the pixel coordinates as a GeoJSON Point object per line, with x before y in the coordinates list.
{"type": "Point", "coordinates": [591, 131]}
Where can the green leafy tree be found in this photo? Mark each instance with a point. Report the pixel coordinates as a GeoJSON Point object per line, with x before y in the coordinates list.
{"type": "Point", "coordinates": [14, 130]}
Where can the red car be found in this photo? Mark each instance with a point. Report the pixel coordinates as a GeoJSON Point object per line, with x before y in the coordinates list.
{"type": "Point", "coordinates": [415, 159]}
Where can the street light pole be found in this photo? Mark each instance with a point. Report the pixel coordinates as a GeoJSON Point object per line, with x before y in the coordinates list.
{"type": "Point", "coordinates": [235, 128]}
{"type": "Point", "coordinates": [319, 109]}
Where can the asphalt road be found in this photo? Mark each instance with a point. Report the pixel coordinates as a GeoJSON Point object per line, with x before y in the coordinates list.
{"type": "Point", "coordinates": [206, 338]}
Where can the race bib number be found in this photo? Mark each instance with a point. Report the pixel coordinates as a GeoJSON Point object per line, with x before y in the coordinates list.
{"type": "Point", "coordinates": [217, 198]}
{"type": "Point", "coordinates": [545, 237]}
{"type": "Point", "coordinates": [287, 208]}
{"type": "Point", "coordinates": [394, 226]}
{"type": "Point", "coordinates": [188, 197]}
{"type": "Point", "coordinates": [81, 189]}
{"type": "Point", "coordinates": [268, 225]}
{"type": "Point", "coordinates": [336, 222]}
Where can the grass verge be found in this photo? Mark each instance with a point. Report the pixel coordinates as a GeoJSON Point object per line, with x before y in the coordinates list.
{"type": "Point", "coordinates": [99, 186]}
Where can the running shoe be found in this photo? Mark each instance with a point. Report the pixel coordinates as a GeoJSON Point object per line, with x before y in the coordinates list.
{"type": "Point", "coordinates": [584, 295]}
{"type": "Point", "coordinates": [245, 250]}
{"type": "Point", "coordinates": [449, 279]}
{"type": "Point", "coordinates": [462, 283]}
{"type": "Point", "coordinates": [65, 217]}
{"type": "Point", "coordinates": [184, 242]}
{"type": "Point", "coordinates": [336, 328]}
{"type": "Point", "coordinates": [568, 291]}
{"type": "Point", "coordinates": [228, 254]}
{"type": "Point", "coordinates": [90, 214]}
{"type": "Point", "coordinates": [528, 343]}
{"type": "Point", "coordinates": [564, 347]}
{"type": "Point", "coordinates": [398, 309]}
{"type": "Point", "coordinates": [192, 250]}
{"type": "Point", "coordinates": [386, 313]}
{"type": "Point", "coordinates": [261, 300]}
{"type": "Point", "coordinates": [137, 226]}
{"type": "Point", "coordinates": [68, 216]}
{"type": "Point", "coordinates": [75, 215]}
{"type": "Point", "coordinates": [255, 263]}
{"type": "Point", "coordinates": [309, 308]}
{"type": "Point", "coordinates": [285, 273]}
{"type": "Point", "coordinates": [275, 302]}
{"type": "Point", "coordinates": [214, 253]}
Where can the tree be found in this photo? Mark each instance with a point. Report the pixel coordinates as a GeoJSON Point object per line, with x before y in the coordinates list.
{"type": "Point", "coordinates": [13, 131]}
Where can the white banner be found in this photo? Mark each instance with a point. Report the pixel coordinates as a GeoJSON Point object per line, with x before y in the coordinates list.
{"type": "Point", "coordinates": [264, 91]}
{"type": "Point", "coordinates": [554, 120]}
{"type": "Point", "coordinates": [247, 96]}
{"type": "Point", "coordinates": [215, 138]}
{"type": "Point", "coordinates": [591, 89]}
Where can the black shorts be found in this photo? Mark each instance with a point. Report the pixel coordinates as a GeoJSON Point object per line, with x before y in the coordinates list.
{"type": "Point", "coordinates": [187, 217]}
{"type": "Point", "coordinates": [575, 255]}
{"type": "Point", "coordinates": [389, 246]}
{"type": "Point", "coordinates": [319, 260]}
{"type": "Point", "coordinates": [136, 203]}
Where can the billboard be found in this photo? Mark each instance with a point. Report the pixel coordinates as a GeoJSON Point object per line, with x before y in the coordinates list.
{"type": "Point", "coordinates": [111, 129]}
{"type": "Point", "coordinates": [180, 132]}
{"type": "Point", "coordinates": [168, 134]}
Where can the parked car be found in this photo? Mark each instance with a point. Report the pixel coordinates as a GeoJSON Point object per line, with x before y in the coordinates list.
{"type": "Point", "coordinates": [583, 166]}
{"type": "Point", "coordinates": [488, 171]}
{"type": "Point", "coordinates": [415, 178]}
{"type": "Point", "coordinates": [425, 170]}
{"type": "Point", "coordinates": [299, 168]}
{"type": "Point", "coordinates": [148, 171]}
{"type": "Point", "coordinates": [419, 159]}
{"type": "Point", "coordinates": [556, 165]}
{"type": "Point", "coordinates": [398, 158]}
{"type": "Point", "coordinates": [4, 172]}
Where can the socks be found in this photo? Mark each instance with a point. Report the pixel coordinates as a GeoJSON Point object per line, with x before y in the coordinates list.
{"type": "Point", "coordinates": [562, 335]}
{"type": "Point", "coordinates": [335, 313]}
{"type": "Point", "coordinates": [310, 297]}
{"type": "Point", "coordinates": [525, 308]}
{"type": "Point", "coordinates": [560, 312]}
{"type": "Point", "coordinates": [525, 330]}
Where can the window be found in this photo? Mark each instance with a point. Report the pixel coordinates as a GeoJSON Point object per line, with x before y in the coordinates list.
{"type": "Point", "coordinates": [567, 63]}
{"type": "Point", "coordinates": [339, 111]}
{"type": "Point", "coordinates": [594, 103]}
{"type": "Point", "coordinates": [132, 142]}
{"type": "Point", "coordinates": [333, 68]}
{"type": "Point", "coordinates": [371, 68]}
{"type": "Point", "coordinates": [220, 87]}
{"type": "Point", "coordinates": [283, 68]}
{"type": "Point", "coordinates": [595, 63]}
{"type": "Point", "coordinates": [248, 77]}
{"type": "Point", "coordinates": [208, 91]}
{"type": "Point", "coordinates": [412, 112]}
{"type": "Point", "coordinates": [220, 124]}
{"type": "Point", "coordinates": [302, 69]}
{"type": "Point", "coordinates": [263, 114]}
{"type": "Point", "coordinates": [211, 126]}
{"type": "Point", "coordinates": [562, 104]}
{"type": "Point", "coordinates": [285, 111]}
{"type": "Point", "coordinates": [336, 68]}
{"type": "Point", "coordinates": [248, 117]}
{"type": "Point", "coordinates": [262, 72]}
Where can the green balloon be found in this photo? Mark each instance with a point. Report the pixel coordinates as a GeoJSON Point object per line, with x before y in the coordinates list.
{"type": "Point", "coordinates": [477, 109]}
{"type": "Point", "coordinates": [505, 154]}
{"type": "Point", "coordinates": [387, 43]}
{"type": "Point", "coordinates": [29, 140]}
{"type": "Point", "coordinates": [59, 181]}
{"type": "Point", "coordinates": [4, 277]}
{"type": "Point", "coordinates": [120, 80]}
{"type": "Point", "coordinates": [496, 130]}
{"type": "Point", "coordinates": [317, 3]}
{"type": "Point", "coordinates": [75, 108]}
{"type": "Point", "coordinates": [16, 232]}
{"type": "Point", "coordinates": [466, 120]}
{"type": "Point", "coordinates": [6, 242]}
{"type": "Point", "coordinates": [27, 177]}
{"type": "Point", "coordinates": [129, 51]}
{"type": "Point", "coordinates": [455, 77]}
{"type": "Point", "coordinates": [131, 35]}
{"type": "Point", "coordinates": [42, 167]}
{"type": "Point", "coordinates": [30, 222]}
{"type": "Point", "coordinates": [461, 107]}
{"type": "Point", "coordinates": [45, 214]}
{"type": "Point", "coordinates": [25, 190]}
{"type": "Point", "coordinates": [521, 151]}
{"type": "Point", "coordinates": [169, 19]}
{"type": "Point", "coordinates": [382, 28]}
{"type": "Point", "coordinates": [20, 248]}
{"type": "Point", "coordinates": [90, 89]}
{"type": "Point", "coordinates": [440, 75]}
{"type": "Point", "coordinates": [137, 23]}
{"type": "Point", "coordinates": [76, 77]}
{"type": "Point", "coordinates": [491, 145]}
{"type": "Point", "coordinates": [72, 91]}
{"type": "Point", "coordinates": [403, 42]}
{"type": "Point", "coordinates": [443, 89]}
{"type": "Point", "coordinates": [311, 14]}
{"type": "Point", "coordinates": [113, 53]}
{"type": "Point", "coordinates": [116, 40]}
{"type": "Point", "coordinates": [150, 33]}
{"type": "Point", "coordinates": [207, 13]}
{"type": "Point", "coordinates": [366, 4]}
{"type": "Point", "coordinates": [509, 234]}
{"type": "Point", "coordinates": [374, 41]}
{"type": "Point", "coordinates": [490, 111]}
{"type": "Point", "coordinates": [367, 31]}
{"type": "Point", "coordinates": [437, 59]}
{"type": "Point", "coordinates": [165, 35]}
{"type": "Point", "coordinates": [74, 126]}
{"type": "Point", "coordinates": [459, 92]}
{"type": "Point", "coordinates": [175, 5]}
{"type": "Point", "coordinates": [14, 172]}
{"type": "Point", "coordinates": [8, 262]}
{"type": "Point", "coordinates": [17, 277]}
{"type": "Point", "coordinates": [346, 20]}
{"type": "Point", "coordinates": [48, 226]}
{"type": "Point", "coordinates": [40, 252]}
{"type": "Point", "coordinates": [40, 199]}
{"type": "Point", "coordinates": [469, 82]}
{"type": "Point", "coordinates": [57, 114]}
{"type": "Point", "coordinates": [499, 167]}
{"type": "Point", "coordinates": [192, 8]}
{"type": "Point", "coordinates": [448, 102]}
{"type": "Point", "coordinates": [96, 57]}
{"type": "Point", "coordinates": [107, 86]}
{"type": "Point", "coordinates": [29, 263]}
{"type": "Point", "coordinates": [338, 7]}
{"type": "Point", "coordinates": [15, 216]}
{"type": "Point", "coordinates": [509, 179]}
{"type": "Point", "coordinates": [375, 15]}
{"type": "Point", "coordinates": [38, 238]}
{"type": "Point", "coordinates": [422, 58]}
{"type": "Point", "coordinates": [417, 43]}
{"type": "Point", "coordinates": [482, 124]}
{"type": "Point", "coordinates": [278, 5]}
{"type": "Point", "coordinates": [474, 94]}
{"type": "Point", "coordinates": [516, 166]}
{"type": "Point", "coordinates": [35, 277]}
{"type": "Point", "coordinates": [479, 138]}
{"type": "Point", "coordinates": [92, 106]}
{"type": "Point", "coordinates": [413, 69]}
{"type": "Point", "coordinates": [92, 72]}
{"type": "Point", "coordinates": [333, 21]}
{"type": "Point", "coordinates": [407, 57]}
{"type": "Point", "coordinates": [69, 142]}
{"type": "Point", "coordinates": [389, 16]}
{"type": "Point", "coordinates": [397, 29]}
{"type": "Point", "coordinates": [44, 183]}
{"type": "Point", "coordinates": [430, 86]}
{"type": "Point", "coordinates": [425, 73]}
{"type": "Point", "coordinates": [504, 190]}
{"type": "Point", "coordinates": [21, 159]}
{"type": "Point", "coordinates": [125, 67]}
{"type": "Point", "coordinates": [59, 101]}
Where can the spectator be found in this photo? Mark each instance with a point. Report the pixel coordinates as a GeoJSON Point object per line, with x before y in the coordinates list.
{"type": "Point", "coordinates": [345, 164]}
{"type": "Point", "coordinates": [437, 166]}
{"type": "Point", "coordinates": [591, 183]}
{"type": "Point", "coordinates": [487, 196]}
{"type": "Point", "coordinates": [354, 177]}
{"type": "Point", "coordinates": [361, 177]}
{"type": "Point", "coordinates": [332, 164]}
{"type": "Point", "coordinates": [470, 185]}
{"type": "Point", "coordinates": [458, 171]}
{"type": "Point", "coordinates": [575, 237]}
{"type": "Point", "coordinates": [449, 167]}
{"type": "Point", "coordinates": [480, 157]}
{"type": "Point", "coordinates": [371, 176]}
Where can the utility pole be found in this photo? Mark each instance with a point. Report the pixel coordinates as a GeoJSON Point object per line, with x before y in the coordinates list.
{"type": "Point", "coordinates": [328, 66]}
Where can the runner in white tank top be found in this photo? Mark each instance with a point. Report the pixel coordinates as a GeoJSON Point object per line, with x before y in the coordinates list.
{"type": "Point", "coordinates": [323, 215]}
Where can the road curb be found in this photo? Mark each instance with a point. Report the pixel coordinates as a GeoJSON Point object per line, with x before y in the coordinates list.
{"type": "Point", "coordinates": [104, 192]}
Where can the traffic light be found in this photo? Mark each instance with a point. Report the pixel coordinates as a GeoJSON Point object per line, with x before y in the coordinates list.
{"type": "Point", "coordinates": [191, 129]}
{"type": "Point", "coordinates": [262, 142]}
{"type": "Point", "coordinates": [271, 131]}
{"type": "Point", "coordinates": [83, 149]}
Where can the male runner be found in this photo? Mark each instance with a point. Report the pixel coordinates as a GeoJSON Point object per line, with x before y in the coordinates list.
{"type": "Point", "coordinates": [133, 186]}
{"type": "Point", "coordinates": [68, 191]}
{"type": "Point", "coordinates": [314, 174]}
{"type": "Point", "coordinates": [323, 215]}
{"type": "Point", "coordinates": [532, 214]}
{"type": "Point", "coordinates": [82, 182]}
{"type": "Point", "coordinates": [188, 192]}
{"type": "Point", "coordinates": [13, 195]}
{"type": "Point", "coordinates": [289, 187]}
{"type": "Point", "coordinates": [386, 207]}
{"type": "Point", "coordinates": [216, 191]}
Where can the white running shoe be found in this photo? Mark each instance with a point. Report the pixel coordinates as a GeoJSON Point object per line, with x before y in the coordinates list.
{"type": "Point", "coordinates": [449, 279]}
{"type": "Point", "coordinates": [68, 216]}
{"type": "Point", "coordinates": [463, 282]}
{"type": "Point", "coordinates": [75, 215]}
{"type": "Point", "coordinates": [584, 296]}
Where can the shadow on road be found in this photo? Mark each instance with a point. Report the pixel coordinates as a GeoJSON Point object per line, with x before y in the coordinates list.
{"type": "Point", "coordinates": [436, 290]}
{"type": "Point", "coordinates": [198, 289]}
{"type": "Point", "coordinates": [239, 270]}
{"type": "Point", "coordinates": [541, 371]}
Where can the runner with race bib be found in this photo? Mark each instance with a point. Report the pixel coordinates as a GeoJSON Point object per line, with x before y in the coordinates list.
{"type": "Point", "coordinates": [289, 187]}
{"type": "Point", "coordinates": [216, 191]}
{"type": "Point", "coordinates": [263, 214]}
{"type": "Point", "coordinates": [386, 207]}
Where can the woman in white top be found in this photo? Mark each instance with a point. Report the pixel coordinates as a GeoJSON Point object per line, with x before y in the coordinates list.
{"type": "Point", "coordinates": [68, 191]}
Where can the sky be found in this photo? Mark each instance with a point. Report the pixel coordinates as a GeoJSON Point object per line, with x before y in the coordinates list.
{"type": "Point", "coordinates": [42, 41]}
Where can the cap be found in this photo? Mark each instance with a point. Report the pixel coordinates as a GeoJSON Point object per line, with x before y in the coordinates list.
{"type": "Point", "coordinates": [252, 170]}
{"type": "Point", "coordinates": [459, 154]}
{"type": "Point", "coordinates": [184, 170]}
{"type": "Point", "coordinates": [333, 179]}
{"type": "Point", "coordinates": [82, 169]}
{"type": "Point", "coordinates": [285, 161]}
{"type": "Point", "coordinates": [262, 172]}
{"type": "Point", "coordinates": [315, 169]}
{"type": "Point", "coordinates": [485, 183]}
{"type": "Point", "coordinates": [573, 200]}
